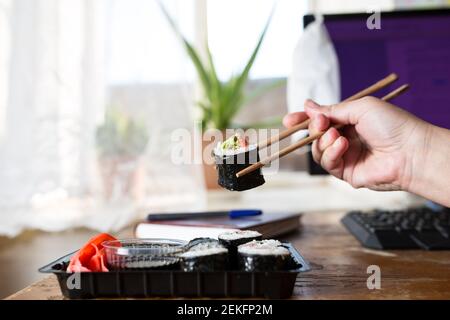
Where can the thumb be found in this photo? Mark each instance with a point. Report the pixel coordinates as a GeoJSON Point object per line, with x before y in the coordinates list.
{"type": "Point", "coordinates": [347, 113]}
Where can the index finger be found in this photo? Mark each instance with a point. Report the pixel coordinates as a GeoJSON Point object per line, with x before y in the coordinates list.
{"type": "Point", "coordinates": [294, 118]}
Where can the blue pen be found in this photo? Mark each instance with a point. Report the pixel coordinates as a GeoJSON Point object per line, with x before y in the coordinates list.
{"type": "Point", "coordinates": [244, 213]}
{"type": "Point", "coordinates": [233, 214]}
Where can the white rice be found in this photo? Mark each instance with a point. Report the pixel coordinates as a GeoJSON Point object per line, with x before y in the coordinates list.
{"type": "Point", "coordinates": [233, 235]}
{"type": "Point", "coordinates": [218, 151]}
{"type": "Point", "coordinates": [206, 245]}
{"type": "Point", "coordinates": [204, 252]}
{"type": "Point", "coordinates": [263, 247]}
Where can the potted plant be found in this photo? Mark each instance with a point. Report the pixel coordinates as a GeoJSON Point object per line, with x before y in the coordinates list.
{"type": "Point", "coordinates": [120, 143]}
{"type": "Point", "coordinates": [221, 100]}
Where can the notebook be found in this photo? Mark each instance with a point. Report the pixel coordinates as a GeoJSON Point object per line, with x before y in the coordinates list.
{"type": "Point", "coordinates": [270, 225]}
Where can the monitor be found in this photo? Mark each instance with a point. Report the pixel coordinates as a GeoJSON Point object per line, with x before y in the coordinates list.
{"type": "Point", "coordinates": [413, 44]}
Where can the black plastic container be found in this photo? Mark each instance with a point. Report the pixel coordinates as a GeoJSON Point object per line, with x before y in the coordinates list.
{"type": "Point", "coordinates": [175, 283]}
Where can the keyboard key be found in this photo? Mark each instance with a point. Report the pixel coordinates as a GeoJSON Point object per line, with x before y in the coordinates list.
{"type": "Point", "coordinates": [444, 230]}
{"type": "Point", "coordinates": [431, 241]}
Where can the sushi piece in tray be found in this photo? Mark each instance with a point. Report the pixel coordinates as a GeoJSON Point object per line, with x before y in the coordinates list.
{"type": "Point", "coordinates": [233, 239]}
{"type": "Point", "coordinates": [264, 255]}
{"type": "Point", "coordinates": [197, 243]}
{"type": "Point", "coordinates": [204, 254]}
{"type": "Point", "coordinates": [232, 156]}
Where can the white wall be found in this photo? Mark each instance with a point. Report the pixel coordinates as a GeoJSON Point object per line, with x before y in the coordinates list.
{"type": "Point", "coordinates": [341, 6]}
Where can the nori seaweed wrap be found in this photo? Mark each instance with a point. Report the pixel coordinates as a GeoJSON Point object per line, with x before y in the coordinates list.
{"type": "Point", "coordinates": [264, 255]}
{"type": "Point", "coordinates": [232, 239]}
{"type": "Point", "coordinates": [232, 156]}
{"type": "Point", "coordinates": [204, 254]}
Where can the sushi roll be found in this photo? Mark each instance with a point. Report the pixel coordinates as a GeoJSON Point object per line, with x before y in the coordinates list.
{"type": "Point", "coordinates": [201, 242]}
{"type": "Point", "coordinates": [232, 156]}
{"type": "Point", "coordinates": [231, 240]}
{"type": "Point", "coordinates": [264, 255]}
{"type": "Point", "coordinates": [204, 254]}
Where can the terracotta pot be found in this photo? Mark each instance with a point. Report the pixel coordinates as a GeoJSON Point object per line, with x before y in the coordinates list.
{"type": "Point", "coordinates": [209, 167]}
{"type": "Point", "coordinates": [122, 177]}
{"type": "Point", "coordinates": [210, 176]}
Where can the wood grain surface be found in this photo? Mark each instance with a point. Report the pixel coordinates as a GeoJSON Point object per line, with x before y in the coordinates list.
{"type": "Point", "coordinates": [339, 267]}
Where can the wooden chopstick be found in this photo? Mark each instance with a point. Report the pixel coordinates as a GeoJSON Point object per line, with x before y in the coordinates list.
{"type": "Point", "coordinates": [396, 92]}
{"type": "Point", "coordinates": [308, 139]}
{"type": "Point", "coordinates": [304, 125]}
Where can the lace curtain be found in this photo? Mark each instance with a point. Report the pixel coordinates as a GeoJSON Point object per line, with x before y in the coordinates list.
{"type": "Point", "coordinates": [53, 93]}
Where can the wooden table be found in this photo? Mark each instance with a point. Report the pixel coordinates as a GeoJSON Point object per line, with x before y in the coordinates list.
{"type": "Point", "coordinates": [339, 266]}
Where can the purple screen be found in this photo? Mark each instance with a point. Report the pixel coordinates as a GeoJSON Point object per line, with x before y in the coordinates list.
{"type": "Point", "coordinates": [416, 48]}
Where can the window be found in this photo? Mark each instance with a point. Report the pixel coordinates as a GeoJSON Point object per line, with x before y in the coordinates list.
{"type": "Point", "coordinates": [141, 48]}
{"type": "Point", "coordinates": [234, 27]}
{"type": "Point", "coordinates": [84, 171]}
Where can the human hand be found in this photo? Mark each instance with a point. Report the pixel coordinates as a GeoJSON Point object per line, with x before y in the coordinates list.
{"type": "Point", "coordinates": [381, 147]}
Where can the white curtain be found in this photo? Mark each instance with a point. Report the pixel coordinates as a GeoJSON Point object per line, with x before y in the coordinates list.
{"type": "Point", "coordinates": [151, 79]}
{"type": "Point", "coordinates": [52, 96]}
{"type": "Point", "coordinates": [58, 71]}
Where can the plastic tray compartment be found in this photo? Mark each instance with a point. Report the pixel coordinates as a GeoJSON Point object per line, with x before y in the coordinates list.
{"type": "Point", "coordinates": [175, 283]}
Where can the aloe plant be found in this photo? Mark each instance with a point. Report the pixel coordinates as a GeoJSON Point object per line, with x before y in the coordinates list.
{"type": "Point", "coordinates": [222, 100]}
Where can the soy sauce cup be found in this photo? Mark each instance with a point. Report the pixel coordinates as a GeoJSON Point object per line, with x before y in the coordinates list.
{"type": "Point", "coordinates": [143, 253]}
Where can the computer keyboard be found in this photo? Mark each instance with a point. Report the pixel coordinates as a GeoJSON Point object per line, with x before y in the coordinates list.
{"type": "Point", "coordinates": [417, 228]}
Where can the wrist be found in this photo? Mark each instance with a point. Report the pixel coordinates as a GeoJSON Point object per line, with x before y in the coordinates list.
{"type": "Point", "coordinates": [429, 165]}
{"type": "Point", "coordinates": [418, 157]}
